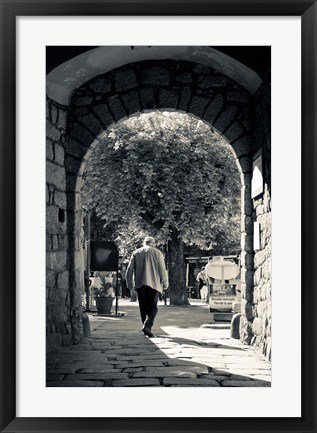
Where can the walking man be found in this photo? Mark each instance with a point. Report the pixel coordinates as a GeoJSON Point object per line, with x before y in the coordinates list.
{"type": "Point", "coordinates": [150, 279]}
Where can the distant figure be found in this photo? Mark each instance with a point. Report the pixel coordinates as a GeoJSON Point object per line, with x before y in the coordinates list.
{"type": "Point", "coordinates": [150, 278]}
{"type": "Point", "coordinates": [202, 288]}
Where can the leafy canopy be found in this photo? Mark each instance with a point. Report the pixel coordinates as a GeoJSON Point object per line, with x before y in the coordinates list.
{"type": "Point", "coordinates": [160, 172]}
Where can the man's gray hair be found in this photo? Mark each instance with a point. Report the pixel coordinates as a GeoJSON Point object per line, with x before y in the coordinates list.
{"type": "Point", "coordinates": [148, 241]}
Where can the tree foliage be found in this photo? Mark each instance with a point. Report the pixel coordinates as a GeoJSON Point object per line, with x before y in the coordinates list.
{"type": "Point", "coordinates": [163, 171]}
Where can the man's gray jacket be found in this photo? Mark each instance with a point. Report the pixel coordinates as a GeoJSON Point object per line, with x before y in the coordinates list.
{"type": "Point", "coordinates": [147, 265]}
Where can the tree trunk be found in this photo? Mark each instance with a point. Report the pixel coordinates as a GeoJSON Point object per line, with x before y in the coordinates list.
{"type": "Point", "coordinates": [176, 271]}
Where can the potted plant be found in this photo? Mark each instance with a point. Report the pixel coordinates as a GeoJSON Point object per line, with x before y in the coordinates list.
{"type": "Point", "coordinates": [104, 294]}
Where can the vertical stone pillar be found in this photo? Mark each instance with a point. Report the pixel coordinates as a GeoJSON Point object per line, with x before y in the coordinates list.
{"type": "Point", "coordinates": [246, 256]}
{"type": "Point", "coordinates": [57, 276]}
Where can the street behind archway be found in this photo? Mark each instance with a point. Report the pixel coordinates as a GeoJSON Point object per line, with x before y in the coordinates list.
{"type": "Point", "coordinates": [187, 351]}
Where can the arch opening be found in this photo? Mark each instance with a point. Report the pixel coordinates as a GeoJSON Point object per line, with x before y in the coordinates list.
{"type": "Point", "coordinates": [167, 175]}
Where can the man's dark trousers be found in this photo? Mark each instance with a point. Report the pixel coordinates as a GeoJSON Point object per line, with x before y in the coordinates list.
{"type": "Point", "coordinates": [148, 299]}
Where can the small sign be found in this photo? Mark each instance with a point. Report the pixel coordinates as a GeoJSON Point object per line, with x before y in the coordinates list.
{"type": "Point", "coordinates": [257, 175]}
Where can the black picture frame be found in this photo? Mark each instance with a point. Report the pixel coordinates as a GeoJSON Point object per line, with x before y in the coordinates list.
{"type": "Point", "coordinates": [307, 10]}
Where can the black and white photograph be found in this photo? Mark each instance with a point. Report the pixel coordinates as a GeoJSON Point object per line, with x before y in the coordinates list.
{"type": "Point", "coordinates": [158, 216]}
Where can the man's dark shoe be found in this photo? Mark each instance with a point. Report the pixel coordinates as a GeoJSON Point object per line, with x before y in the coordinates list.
{"type": "Point", "coordinates": [147, 332]}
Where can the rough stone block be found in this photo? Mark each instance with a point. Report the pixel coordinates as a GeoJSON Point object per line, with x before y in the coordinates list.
{"type": "Point", "coordinates": [75, 383]}
{"type": "Point", "coordinates": [125, 80]}
{"type": "Point", "coordinates": [136, 382]}
{"type": "Point", "coordinates": [185, 78]}
{"type": "Point", "coordinates": [50, 278]}
{"type": "Point", "coordinates": [202, 69]}
{"type": "Point", "coordinates": [92, 122]}
{"type": "Point", "coordinates": [60, 199]}
{"type": "Point", "coordinates": [81, 134]}
{"type": "Point", "coordinates": [103, 113]}
{"type": "Point", "coordinates": [53, 225]}
{"type": "Point", "coordinates": [165, 373]}
{"type": "Point", "coordinates": [186, 381]}
{"type": "Point", "coordinates": [62, 242]}
{"type": "Point", "coordinates": [107, 375]}
{"type": "Point", "coordinates": [62, 119]}
{"type": "Point", "coordinates": [56, 260]}
{"type": "Point", "coordinates": [54, 114]}
{"type": "Point", "coordinates": [257, 326]}
{"type": "Point", "coordinates": [214, 108]}
{"type": "Point", "coordinates": [59, 154]}
{"type": "Point", "coordinates": [156, 76]}
{"type": "Point", "coordinates": [204, 82]}
{"type": "Point", "coordinates": [116, 107]}
{"type": "Point", "coordinates": [198, 105]}
{"type": "Point", "coordinates": [181, 371]}
{"type": "Point", "coordinates": [79, 100]}
{"type": "Point", "coordinates": [185, 97]}
{"type": "Point", "coordinates": [52, 132]}
{"type": "Point", "coordinates": [63, 280]}
{"type": "Point", "coordinates": [48, 109]}
{"type": "Point", "coordinates": [147, 98]}
{"type": "Point", "coordinates": [225, 118]}
{"type": "Point", "coordinates": [100, 85]}
{"type": "Point", "coordinates": [55, 175]}
{"type": "Point", "coordinates": [245, 383]}
{"type": "Point", "coordinates": [74, 148]}
{"type": "Point", "coordinates": [239, 95]}
{"type": "Point", "coordinates": [168, 98]}
{"type": "Point", "coordinates": [243, 146]}
{"type": "Point", "coordinates": [53, 341]}
{"type": "Point", "coordinates": [236, 130]}
{"type": "Point", "coordinates": [49, 150]}
{"type": "Point", "coordinates": [131, 102]}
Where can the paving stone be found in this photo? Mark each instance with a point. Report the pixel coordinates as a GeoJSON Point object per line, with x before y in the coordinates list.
{"type": "Point", "coordinates": [179, 363]}
{"type": "Point", "coordinates": [166, 373]}
{"type": "Point", "coordinates": [265, 378]}
{"type": "Point", "coordinates": [172, 371]}
{"type": "Point", "coordinates": [198, 369]}
{"type": "Point", "coordinates": [140, 364]}
{"type": "Point", "coordinates": [176, 381]}
{"type": "Point", "coordinates": [75, 383]}
{"type": "Point", "coordinates": [154, 356]}
{"type": "Point", "coordinates": [133, 369]}
{"type": "Point", "coordinates": [137, 382]}
{"type": "Point", "coordinates": [50, 377]}
{"type": "Point", "coordinates": [101, 369]}
{"type": "Point", "coordinates": [98, 376]}
{"type": "Point", "coordinates": [238, 377]}
{"type": "Point", "coordinates": [244, 383]}
{"type": "Point", "coordinates": [63, 370]}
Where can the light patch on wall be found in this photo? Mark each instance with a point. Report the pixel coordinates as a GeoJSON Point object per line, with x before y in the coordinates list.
{"type": "Point", "coordinates": [256, 236]}
{"type": "Point", "coordinates": [257, 176]}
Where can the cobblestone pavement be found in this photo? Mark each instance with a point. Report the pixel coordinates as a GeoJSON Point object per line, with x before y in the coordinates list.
{"type": "Point", "coordinates": [187, 351]}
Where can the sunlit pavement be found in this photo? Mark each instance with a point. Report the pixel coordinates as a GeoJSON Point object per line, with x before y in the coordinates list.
{"type": "Point", "coordinates": [186, 351]}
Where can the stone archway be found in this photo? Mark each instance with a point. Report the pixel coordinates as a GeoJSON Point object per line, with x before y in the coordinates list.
{"type": "Point", "coordinates": [181, 85]}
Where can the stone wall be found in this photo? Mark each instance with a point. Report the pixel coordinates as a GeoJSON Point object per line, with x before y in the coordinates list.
{"type": "Point", "coordinates": [63, 315]}
{"type": "Point", "coordinates": [261, 309]}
